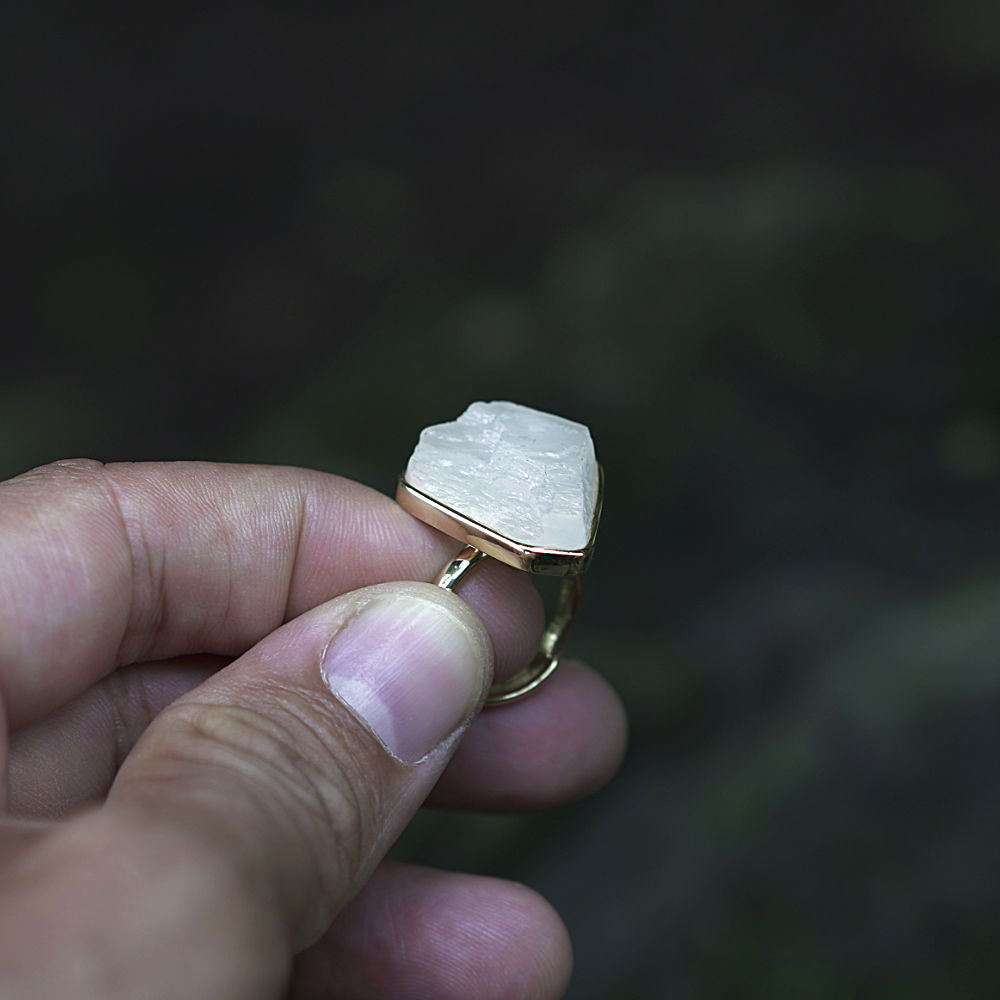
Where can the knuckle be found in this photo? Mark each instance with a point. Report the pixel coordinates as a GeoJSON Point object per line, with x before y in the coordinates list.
{"type": "Point", "coordinates": [279, 765]}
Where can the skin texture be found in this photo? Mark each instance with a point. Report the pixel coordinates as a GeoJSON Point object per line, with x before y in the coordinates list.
{"type": "Point", "coordinates": [189, 810]}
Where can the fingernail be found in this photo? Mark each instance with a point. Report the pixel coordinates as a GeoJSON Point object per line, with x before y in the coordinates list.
{"type": "Point", "coordinates": [410, 670]}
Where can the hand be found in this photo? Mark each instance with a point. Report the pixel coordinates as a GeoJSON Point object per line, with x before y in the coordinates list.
{"type": "Point", "coordinates": [221, 715]}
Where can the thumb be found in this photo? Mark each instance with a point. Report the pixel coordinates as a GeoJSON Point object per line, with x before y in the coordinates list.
{"type": "Point", "coordinates": [302, 761]}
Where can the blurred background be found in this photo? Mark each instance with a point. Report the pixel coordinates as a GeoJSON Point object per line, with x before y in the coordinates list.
{"type": "Point", "coordinates": [754, 246]}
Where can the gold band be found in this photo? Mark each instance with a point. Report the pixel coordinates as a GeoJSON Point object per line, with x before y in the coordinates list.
{"type": "Point", "coordinates": [547, 658]}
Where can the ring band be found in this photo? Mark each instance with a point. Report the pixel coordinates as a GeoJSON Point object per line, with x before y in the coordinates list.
{"type": "Point", "coordinates": [546, 551]}
{"type": "Point", "coordinates": [547, 658]}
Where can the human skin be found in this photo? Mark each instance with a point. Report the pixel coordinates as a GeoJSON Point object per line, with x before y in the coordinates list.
{"type": "Point", "coordinates": [192, 807]}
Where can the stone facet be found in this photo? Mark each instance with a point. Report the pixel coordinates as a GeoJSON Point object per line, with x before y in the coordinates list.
{"type": "Point", "coordinates": [527, 475]}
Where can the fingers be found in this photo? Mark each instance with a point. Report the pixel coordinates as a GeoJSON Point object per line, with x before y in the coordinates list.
{"type": "Point", "coordinates": [188, 932]}
{"type": "Point", "coordinates": [300, 763]}
{"type": "Point", "coordinates": [253, 808]}
{"type": "Point", "coordinates": [106, 565]}
{"type": "Point", "coordinates": [422, 933]}
{"type": "Point", "coordinates": [558, 745]}
{"type": "Point", "coordinates": [70, 758]}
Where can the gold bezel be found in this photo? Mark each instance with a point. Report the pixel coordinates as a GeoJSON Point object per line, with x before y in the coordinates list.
{"type": "Point", "coordinates": [531, 558]}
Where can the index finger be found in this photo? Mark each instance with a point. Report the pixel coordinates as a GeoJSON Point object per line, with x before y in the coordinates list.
{"type": "Point", "coordinates": [103, 565]}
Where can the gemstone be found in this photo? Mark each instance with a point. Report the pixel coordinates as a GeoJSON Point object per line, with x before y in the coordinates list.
{"type": "Point", "coordinates": [524, 474]}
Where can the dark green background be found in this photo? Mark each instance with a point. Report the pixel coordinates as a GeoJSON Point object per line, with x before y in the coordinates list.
{"type": "Point", "coordinates": [754, 246]}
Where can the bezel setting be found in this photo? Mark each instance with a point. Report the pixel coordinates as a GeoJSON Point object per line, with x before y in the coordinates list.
{"type": "Point", "coordinates": [530, 558]}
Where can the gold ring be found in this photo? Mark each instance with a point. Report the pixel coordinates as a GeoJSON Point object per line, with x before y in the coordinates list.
{"type": "Point", "coordinates": [520, 486]}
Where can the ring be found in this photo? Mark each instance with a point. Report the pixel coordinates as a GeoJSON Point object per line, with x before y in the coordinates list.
{"type": "Point", "coordinates": [517, 485]}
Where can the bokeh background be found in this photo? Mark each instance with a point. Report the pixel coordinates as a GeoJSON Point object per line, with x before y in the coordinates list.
{"type": "Point", "coordinates": [754, 246]}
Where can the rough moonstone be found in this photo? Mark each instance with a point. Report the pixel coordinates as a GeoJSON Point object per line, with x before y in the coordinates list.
{"type": "Point", "coordinates": [529, 476]}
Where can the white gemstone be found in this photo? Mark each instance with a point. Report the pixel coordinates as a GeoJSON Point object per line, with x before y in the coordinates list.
{"type": "Point", "coordinates": [527, 475]}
